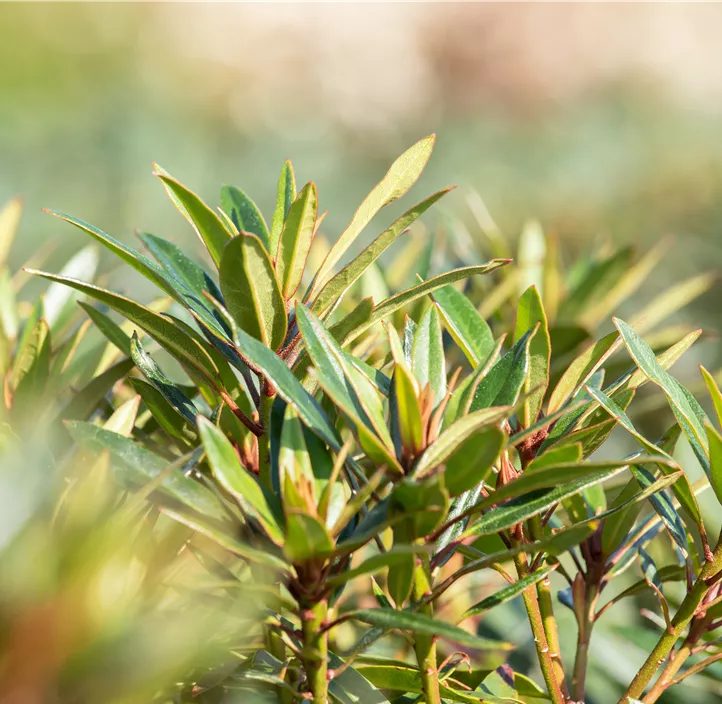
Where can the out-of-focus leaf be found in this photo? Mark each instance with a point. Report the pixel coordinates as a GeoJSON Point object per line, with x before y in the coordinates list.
{"type": "Point", "coordinates": [469, 330]}
{"type": "Point", "coordinates": [424, 505]}
{"type": "Point", "coordinates": [58, 299]}
{"type": "Point", "coordinates": [505, 380]}
{"type": "Point", "coordinates": [402, 174]}
{"type": "Point", "coordinates": [673, 299]}
{"type": "Point", "coordinates": [428, 363]}
{"type": "Point", "coordinates": [9, 221]}
{"type": "Point", "coordinates": [295, 240]}
{"type": "Point", "coordinates": [208, 226]}
{"type": "Point", "coordinates": [123, 418]}
{"type": "Point", "coordinates": [244, 213]}
{"type": "Point", "coordinates": [507, 593]}
{"type": "Point", "coordinates": [236, 480]}
{"type": "Point", "coordinates": [420, 623]}
{"type": "Point", "coordinates": [530, 316]}
{"type": "Point", "coordinates": [251, 292]}
{"type": "Point", "coordinates": [376, 563]}
{"type": "Point", "coordinates": [286, 194]}
{"type": "Point", "coordinates": [134, 466]}
{"type": "Point", "coordinates": [338, 284]}
{"type": "Point", "coordinates": [394, 303]}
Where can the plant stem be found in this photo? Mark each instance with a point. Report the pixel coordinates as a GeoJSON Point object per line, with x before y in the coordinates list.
{"type": "Point", "coordinates": [315, 651]}
{"type": "Point", "coordinates": [671, 669]}
{"type": "Point", "coordinates": [585, 623]}
{"type": "Point", "coordinates": [425, 646]}
{"type": "Point", "coordinates": [681, 620]}
{"type": "Point", "coordinates": [540, 639]}
{"type": "Point", "coordinates": [546, 608]}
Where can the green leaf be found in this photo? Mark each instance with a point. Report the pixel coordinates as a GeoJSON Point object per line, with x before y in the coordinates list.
{"type": "Point", "coordinates": [288, 387]}
{"type": "Point", "coordinates": [350, 389]}
{"type": "Point", "coordinates": [295, 240]}
{"type": "Point", "coordinates": [250, 290]}
{"type": "Point", "coordinates": [244, 213]}
{"type": "Point", "coordinates": [552, 475]}
{"type": "Point", "coordinates": [175, 397]}
{"type": "Point", "coordinates": [187, 277]}
{"type": "Point", "coordinates": [123, 418]}
{"type": "Point", "coordinates": [581, 369]}
{"type": "Point", "coordinates": [404, 172]}
{"type": "Point", "coordinates": [505, 380]}
{"type": "Point", "coordinates": [715, 454]}
{"type": "Point", "coordinates": [134, 467]}
{"type": "Point", "coordinates": [207, 224]}
{"type": "Point", "coordinates": [714, 392]}
{"type": "Point", "coordinates": [236, 480]}
{"type": "Point", "coordinates": [507, 593]}
{"type": "Point", "coordinates": [166, 415]}
{"type": "Point", "coordinates": [112, 331]}
{"type": "Point", "coordinates": [286, 194]}
{"type": "Point", "coordinates": [424, 506]}
{"type": "Point", "coordinates": [168, 335]}
{"type": "Point", "coordinates": [398, 301]}
{"type": "Point", "coordinates": [682, 489]}
{"type": "Point", "coordinates": [329, 296]}
{"type": "Point", "coordinates": [420, 623]}
{"type": "Point", "coordinates": [306, 539]}
{"type": "Point", "coordinates": [400, 579]}
{"type": "Point", "coordinates": [523, 507]}
{"type": "Point", "coordinates": [137, 260]}
{"type": "Point", "coordinates": [469, 330]}
{"type": "Point", "coordinates": [377, 563]}
{"type": "Point", "coordinates": [405, 412]}
{"type": "Point", "coordinates": [688, 412]}
{"type": "Point", "coordinates": [428, 363]}
{"type": "Point", "coordinates": [530, 316]}
{"type": "Point", "coordinates": [452, 439]}
{"type": "Point", "coordinates": [296, 472]}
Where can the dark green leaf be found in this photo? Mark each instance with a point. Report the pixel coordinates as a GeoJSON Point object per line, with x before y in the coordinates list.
{"type": "Point", "coordinates": [286, 194]}
{"type": "Point", "coordinates": [428, 363]}
{"type": "Point", "coordinates": [244, 213]}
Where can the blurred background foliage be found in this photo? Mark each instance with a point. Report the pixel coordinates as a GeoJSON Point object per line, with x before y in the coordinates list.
{"type": "Point", "coordinates": [601, 121]}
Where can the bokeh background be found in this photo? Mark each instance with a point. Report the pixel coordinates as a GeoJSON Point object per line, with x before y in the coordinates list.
{"type": "Point", "coordinates": [602, 121]}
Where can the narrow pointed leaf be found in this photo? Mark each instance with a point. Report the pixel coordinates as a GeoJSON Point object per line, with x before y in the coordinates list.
{"type": "Point", "coordinates": [286, 194]}
{"type": "Point", "coordinates": [250, 290]}
{"type": "Point", "coordinates": [507, 593]}
{"type": "Point", "coordinates": [530, 315]}
{"type": "Point", "coordinates": [402, 174]}
{"type": "Point", "coordinates": [306, 538]}
{"type": "Point", "coordinates": [428, 363]}
{"type": "Point", "coordinates": [338, 284]}
{"type": "Point", "coordinates": [420, 623]}
{"type": "Point", "coordinates": [469, 330]}
{"type": "Point", "coordinates": [244, 213]}
{"type": "Point", "coordinates": [714, 392]}
{"type": "Point", "coordinates": [206, 222]}
{"type": "Point", "coordinates": [235, 479]}
{"type": "Point", "coordinates": [295, 240]}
